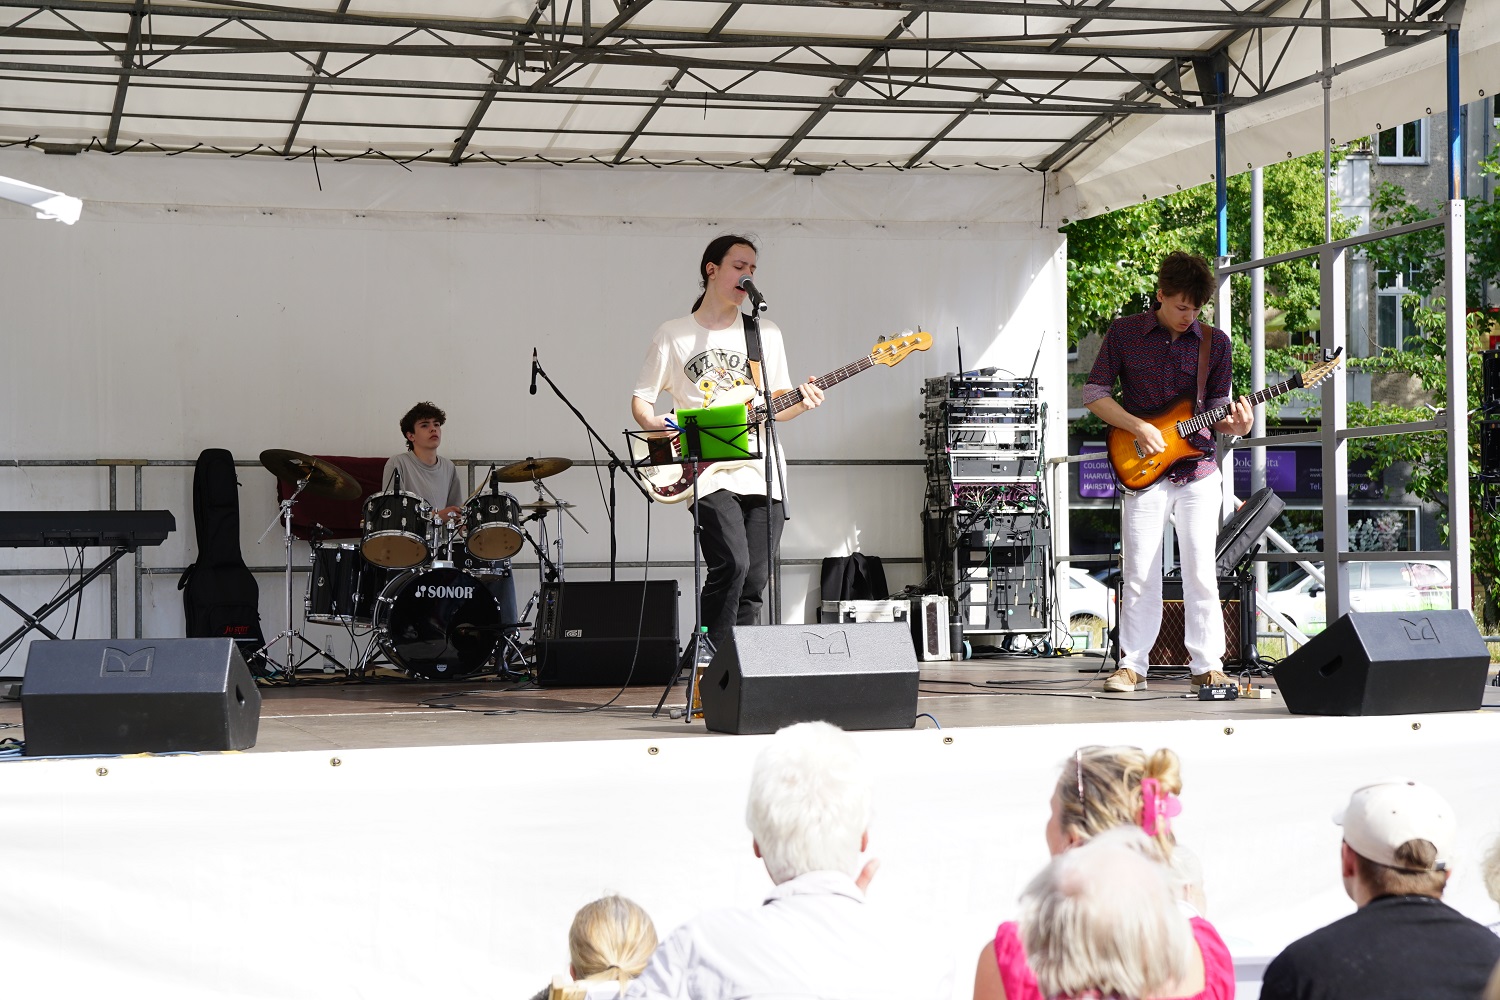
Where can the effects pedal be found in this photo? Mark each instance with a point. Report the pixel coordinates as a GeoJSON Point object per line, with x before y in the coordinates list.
{"type": "Point", "coordinates": [1218, 692]}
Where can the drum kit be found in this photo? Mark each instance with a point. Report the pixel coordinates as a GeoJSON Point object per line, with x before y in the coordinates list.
{"type": "Point", "coordinates": [436, 596]}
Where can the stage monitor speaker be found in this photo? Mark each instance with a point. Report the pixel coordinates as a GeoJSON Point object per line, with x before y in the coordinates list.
{"type": "Point", "coordinates": [860, 676]}
{"type": "Point", "coordinates": [88, 696]}
{"type": "Point", "coordinates": [586, 633]}
{"type": "Point", "coordinates": [1388, 663]}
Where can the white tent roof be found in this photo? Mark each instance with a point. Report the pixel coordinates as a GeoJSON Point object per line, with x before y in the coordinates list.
{"type": "Point", "coordinates": [1113, 100]}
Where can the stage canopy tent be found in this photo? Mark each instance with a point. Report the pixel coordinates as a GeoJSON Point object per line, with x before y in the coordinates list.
{"type": "Point", "coordinates": [1113, 101]}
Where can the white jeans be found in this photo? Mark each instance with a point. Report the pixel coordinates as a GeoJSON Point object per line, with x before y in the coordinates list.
{"type": "Point", "coordinates": [1195, 510]}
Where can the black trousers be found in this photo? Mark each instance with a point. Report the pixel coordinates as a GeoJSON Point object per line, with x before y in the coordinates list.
{"type": "Point", "coordinates": [734, 551]}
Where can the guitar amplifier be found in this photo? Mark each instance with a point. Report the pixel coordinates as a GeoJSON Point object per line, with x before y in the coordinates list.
{"type": "Point", "coordinates": [1171, 642]}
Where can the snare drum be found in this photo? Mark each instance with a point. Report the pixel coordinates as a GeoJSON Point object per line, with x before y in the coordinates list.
{"type": "Point", "coordinates": [342, 586]}
{"type": "Point", "coordinates": [493, 521]}
{"type": "Point", "coordinates": [398, 530]}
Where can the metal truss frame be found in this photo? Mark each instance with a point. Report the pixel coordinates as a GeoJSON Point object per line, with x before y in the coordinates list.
{"type": "Point", "coordinates": [1051, 78]}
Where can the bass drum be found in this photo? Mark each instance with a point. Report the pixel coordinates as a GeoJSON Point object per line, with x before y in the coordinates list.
{"type": "Point", "coordinates": [440, 623]}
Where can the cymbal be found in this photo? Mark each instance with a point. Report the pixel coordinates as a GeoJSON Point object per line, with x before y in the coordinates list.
{"type": "Point", "coordinates": [532, 468]}
{"type": "Point", "coordinates": [324, 478]}
{"type": "Point", "coordinates": [548, 505]}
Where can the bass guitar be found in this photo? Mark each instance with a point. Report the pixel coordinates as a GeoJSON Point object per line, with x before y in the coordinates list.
{"type": "Point", "coordinates": [671, 482]}
{"type": "Point", "coordinates": [1136, 471]}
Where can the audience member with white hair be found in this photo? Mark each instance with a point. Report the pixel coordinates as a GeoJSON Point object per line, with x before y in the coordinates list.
{"type": "Point", "coordinates": [1102, 789]}
{"type": "Point", "coordinates": [609, 943]}
{"type": "Point", "coordinates": [1402, 940]}
{"type": "Point", "coordinates": [809, 811]}
{"type": "Point", "coordinates": [1491, 870]}
{"type": "Point", "coordinates": [1102, 920]}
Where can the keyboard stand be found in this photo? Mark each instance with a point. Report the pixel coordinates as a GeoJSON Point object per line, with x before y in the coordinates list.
{"type": "Point", "coordinates": [34, 621]}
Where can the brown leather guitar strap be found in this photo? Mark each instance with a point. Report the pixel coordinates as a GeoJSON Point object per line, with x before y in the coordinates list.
{"type": "Point", "coordinates": [1205, 347]}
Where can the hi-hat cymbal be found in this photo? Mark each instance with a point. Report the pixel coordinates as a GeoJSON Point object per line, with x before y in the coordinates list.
{"type": "Point", "coordinates": [532, 468]}
{"type": "Point", "coordinates": [324, 478]}
{"type": "Point", "coordinates": [548, 505]}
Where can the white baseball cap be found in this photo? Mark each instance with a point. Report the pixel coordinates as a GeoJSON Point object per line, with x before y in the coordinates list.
{"type": "Point", "coordinates": [1381, 817]}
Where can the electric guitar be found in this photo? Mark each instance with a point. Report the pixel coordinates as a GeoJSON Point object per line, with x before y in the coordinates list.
{"type": "Point", "coordinates": [1136, 471]}
{"type": "Point", "coordinates": [673, 483]}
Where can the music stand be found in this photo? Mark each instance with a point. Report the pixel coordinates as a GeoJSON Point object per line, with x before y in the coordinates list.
{"type": "Point", "coordinates": [686, 449]}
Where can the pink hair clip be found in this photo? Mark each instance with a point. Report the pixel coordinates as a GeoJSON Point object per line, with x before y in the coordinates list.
{"type": "Point", "coordinates": [1158, 808]}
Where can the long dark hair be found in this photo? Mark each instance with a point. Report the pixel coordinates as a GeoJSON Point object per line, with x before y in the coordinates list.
{"type": "Point", "coordinates": [715, 253]}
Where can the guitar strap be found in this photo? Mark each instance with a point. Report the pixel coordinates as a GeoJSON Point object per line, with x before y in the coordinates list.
{"type": "Point", "coordinates": [1205, 347]}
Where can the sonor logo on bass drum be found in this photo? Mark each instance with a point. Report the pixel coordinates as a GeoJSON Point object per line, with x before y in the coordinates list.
{"type": "Point", "coordinates": [433, 590]}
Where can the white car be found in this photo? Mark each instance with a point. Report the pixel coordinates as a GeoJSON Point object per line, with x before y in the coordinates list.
{"type": "Point", "coordinates": [1373, 586]}
{"type": "Point", "coordinates": [1088, 607]}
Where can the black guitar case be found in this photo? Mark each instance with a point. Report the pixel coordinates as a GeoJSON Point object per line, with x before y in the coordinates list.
{"type": "Point", "coordinates": [219, 594]}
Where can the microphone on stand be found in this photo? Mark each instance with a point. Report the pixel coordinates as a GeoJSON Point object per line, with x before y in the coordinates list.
{"type": "Point", "coordinates": [757, 300]}
{"type": "Point", "coordinates": [494, 480]}
{"type": "Point", "coordinates": [396, 479]}
{"type": "Point", "coordinates": [534, 369]}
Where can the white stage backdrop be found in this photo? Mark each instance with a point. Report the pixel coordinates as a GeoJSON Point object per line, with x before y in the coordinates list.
{"type": "Point", "coordinates": [453, 872]}
{"type": "Point", "coordinates": [233, 304]}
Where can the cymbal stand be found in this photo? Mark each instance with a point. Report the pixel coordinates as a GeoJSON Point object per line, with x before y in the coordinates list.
{"type": "Point", "coordinates": [291, 633]}
{"type": "Point", "coordinates": [542, 488]}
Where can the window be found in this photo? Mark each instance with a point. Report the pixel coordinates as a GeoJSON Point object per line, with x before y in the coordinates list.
{"type": "Point", "coordinates": [1403, 144]}
{"type": "Point", "coordinates": [1392, 325]}
{"type": "Point", "coordinates": [1383, 575]}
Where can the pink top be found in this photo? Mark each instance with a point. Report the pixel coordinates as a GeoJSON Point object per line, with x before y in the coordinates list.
{"type": "Point", "coordinates": [1020, 984]}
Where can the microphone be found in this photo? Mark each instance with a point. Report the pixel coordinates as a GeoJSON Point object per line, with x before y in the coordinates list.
{"type": "Point", "coordinates": [534, 369]}
{"type": "Point", "coordinates": [494, 480]}
{"type": "Point", "coordinates": [396, 480]}
{"type": "Point", "coordinates": [757, 300]}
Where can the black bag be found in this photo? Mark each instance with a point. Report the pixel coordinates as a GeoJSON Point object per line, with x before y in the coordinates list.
{"type": "Point", "coordinates": [855, 577]}
{"type": "Point", "coordinates": [220, 597]}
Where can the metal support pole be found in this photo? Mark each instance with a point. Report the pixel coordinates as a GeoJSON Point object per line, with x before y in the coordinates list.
{"type": "Point", "coordinates": [1221, 188]}
{"type": "Point", "coordinates": [1334, 335]}
{"type": "Point", "coordinates": [1222, 304]}
{"type": "Point", "coordinates": [139, 576]}
{"type": "Point", "coordinates": [1459, 513]}
{"type": "Point", "coordinates": [1258, 344]}
{"type": "Point", "coordinates": [114, 569]}
{"type": "Point", "coordinates": [1455, 123]}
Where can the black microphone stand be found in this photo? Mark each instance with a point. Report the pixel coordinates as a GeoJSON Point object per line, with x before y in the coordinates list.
{"type": "Point", "coordinates": [614, 460]}
{"type": "Point", "coordinates": [754, 354]}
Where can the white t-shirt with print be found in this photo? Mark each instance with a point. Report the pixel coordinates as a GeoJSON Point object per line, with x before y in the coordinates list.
{"type": "Point", "coordinates": [687, 361]}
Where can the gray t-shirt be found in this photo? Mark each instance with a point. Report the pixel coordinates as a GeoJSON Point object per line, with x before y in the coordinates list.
{"type": "Point", "coordinates": [437, 484]}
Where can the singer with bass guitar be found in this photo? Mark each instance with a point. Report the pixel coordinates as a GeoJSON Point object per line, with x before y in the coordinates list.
{"type": "Point", "coordinates": [694, 359]}
{"type": "Point", "coordinates": [1158, 356]}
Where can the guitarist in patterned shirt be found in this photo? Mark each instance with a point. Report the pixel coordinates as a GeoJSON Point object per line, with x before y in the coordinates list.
{"type": "Point", "coordinates": [693, 358]}
{"type": "Point", "coordinates": [1155, 356]}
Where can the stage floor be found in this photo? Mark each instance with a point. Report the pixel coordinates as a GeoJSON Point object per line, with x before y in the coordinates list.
{"type": "Point", "coordinates": [325, 713]}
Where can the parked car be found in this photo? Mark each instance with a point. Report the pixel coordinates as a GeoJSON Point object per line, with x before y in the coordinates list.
{"type": "Point", "coordinates": [1088, 606]}
{"type": "Point", "coordinates": [1373, 586]}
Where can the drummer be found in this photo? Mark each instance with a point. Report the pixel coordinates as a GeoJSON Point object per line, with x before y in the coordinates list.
{"type": "Point", "coordinates": [423, 471]}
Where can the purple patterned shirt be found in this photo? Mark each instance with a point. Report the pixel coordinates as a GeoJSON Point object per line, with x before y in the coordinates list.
{"type": "Point", "coordinates": [1154, 370]}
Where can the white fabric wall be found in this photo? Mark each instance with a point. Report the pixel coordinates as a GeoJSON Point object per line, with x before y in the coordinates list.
{"type": "Point", "coordinates": [453, 872]}
{"type": "Point", "coordinates": [212, 303]}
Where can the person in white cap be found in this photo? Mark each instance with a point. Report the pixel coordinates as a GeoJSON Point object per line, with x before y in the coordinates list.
{"type": "Point", "coordinates": [1402, 941]}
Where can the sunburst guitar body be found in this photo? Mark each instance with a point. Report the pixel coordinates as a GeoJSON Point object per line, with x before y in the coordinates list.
{"type": "Point", "coordinates": [1136, 471]}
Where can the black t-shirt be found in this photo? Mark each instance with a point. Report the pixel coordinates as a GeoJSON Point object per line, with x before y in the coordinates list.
{"type": "Point", "coordinates": [1393, 948]}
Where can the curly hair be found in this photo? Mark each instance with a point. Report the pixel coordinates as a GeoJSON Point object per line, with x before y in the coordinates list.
{"type": "Point", "coordinates": [422, 411]}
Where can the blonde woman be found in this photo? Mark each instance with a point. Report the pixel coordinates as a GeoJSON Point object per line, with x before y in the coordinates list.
{"type": "Point", "coordinates": [610, 942]}
{"type": "Point", "coordinates": [1101, 920]}
{"type": "Point", "coordinates": [1100, 789]}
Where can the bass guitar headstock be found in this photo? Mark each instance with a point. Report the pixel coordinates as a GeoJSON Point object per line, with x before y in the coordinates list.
{"type": "Point", "coordinates": [891, 351]}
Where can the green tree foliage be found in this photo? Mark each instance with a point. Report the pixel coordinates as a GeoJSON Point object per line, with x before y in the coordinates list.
{"type": "Point", "coordinates": [1424, 357]}
{"type": "Point", "coordinates": [1112, 259]}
